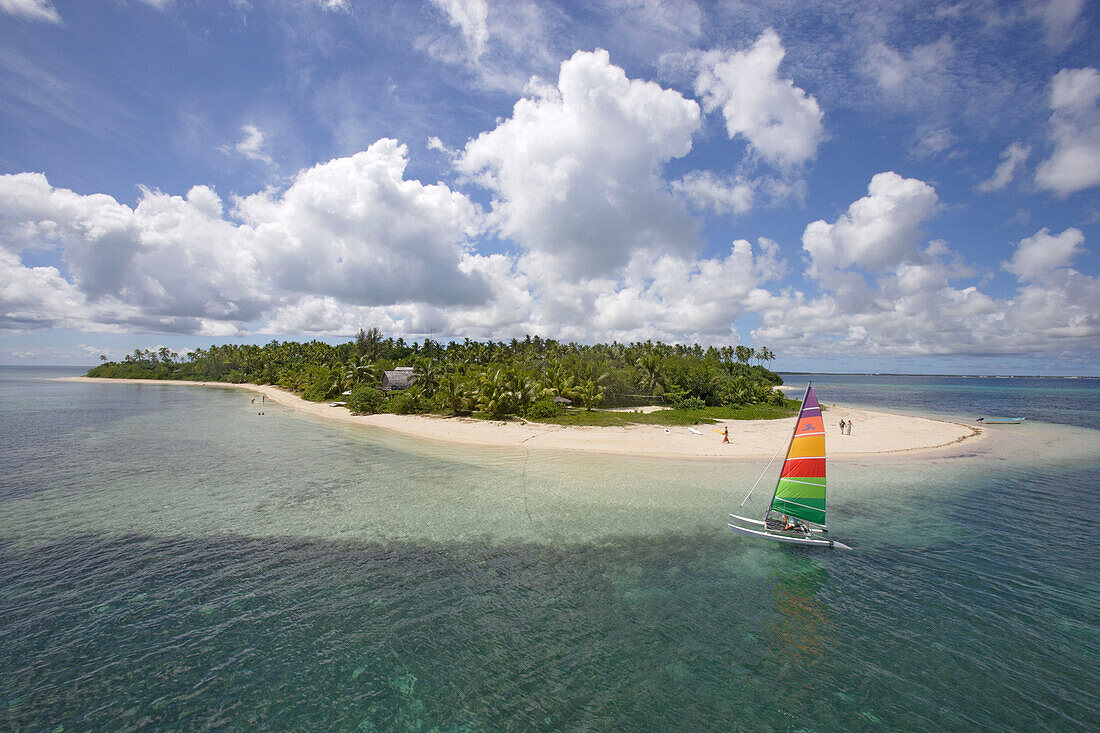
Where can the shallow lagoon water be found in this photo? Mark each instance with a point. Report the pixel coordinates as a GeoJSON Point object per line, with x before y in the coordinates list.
{"type": "Point", "coordinates": [171, 559]}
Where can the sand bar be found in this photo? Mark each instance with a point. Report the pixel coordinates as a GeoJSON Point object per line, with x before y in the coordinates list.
{"type": "Point", "coordinates": [873, 432]}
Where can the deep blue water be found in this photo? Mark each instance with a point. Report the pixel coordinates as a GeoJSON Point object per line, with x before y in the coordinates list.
{"type": "Point", "coordinates": [171, 560]}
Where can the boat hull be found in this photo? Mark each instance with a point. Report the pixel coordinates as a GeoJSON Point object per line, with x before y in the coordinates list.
{"type": "Point", "coordinates": [811, 541]}
{"type": "Point", "coordinates": [762, 523]}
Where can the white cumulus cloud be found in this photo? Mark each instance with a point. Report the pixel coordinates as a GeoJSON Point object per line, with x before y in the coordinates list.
{"type": "Point", "coordinates": [1075, 131]}
{"type": "Point", "coordinates": [882, 292]}
{"type": "Point", "coordinates": [352, 230]}
{"type": "Point", "coordinates": [880, 230]}
{"type": "Point", "coordinates": [708, 191]}
{"type": "Point", "coordinates": [576, 170]}
{"type": "Point", "coordinates": [1038, 256]}
{"type": "Point", "coordinates": [781, 122]}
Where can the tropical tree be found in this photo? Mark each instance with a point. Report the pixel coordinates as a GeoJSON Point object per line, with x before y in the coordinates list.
{"type": "Point", "coordinates": [454, 394]}
{"type": "Point", "coordinates": [428, 374]}
{"type": "Point", "coordinates": [524, 388]}
{"type": "Point", "coordinates": [590, 394]}
{"type": "Point", "coordinates": [493, 396]}
{"type": "Point", "coordinates": [653, 375]}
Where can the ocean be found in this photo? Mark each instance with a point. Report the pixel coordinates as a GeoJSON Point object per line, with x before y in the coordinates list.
{"type": "Point", "coordinates": [172, 560]}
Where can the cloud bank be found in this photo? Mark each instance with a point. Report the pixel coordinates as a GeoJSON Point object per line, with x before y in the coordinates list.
{"type": "Point", "coordinates": [578, 216]}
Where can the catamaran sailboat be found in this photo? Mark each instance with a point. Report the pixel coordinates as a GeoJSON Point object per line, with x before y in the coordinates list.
{"type": "Point", "coordinates": [796, 514]}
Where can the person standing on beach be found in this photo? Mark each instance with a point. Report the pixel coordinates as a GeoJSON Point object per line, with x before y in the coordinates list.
{"type": "Point", "coordinates": [726, 434]}
{"type": "Point", "coordinates": [842, 426]}
{"type": "Point", "coordinates": [849, 427]}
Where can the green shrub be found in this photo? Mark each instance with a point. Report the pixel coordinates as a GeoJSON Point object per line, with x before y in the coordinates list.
{"type": "Point", "coordinates": [365, 400]}
{"type": "Point", "coordinates": [318, 392]}
{"type": "Point", "coordinates": [690, 403]}
{"type": "Point", "coordinates": [541, 409]}
{"type": "Point", "coordinates": [402, 403]}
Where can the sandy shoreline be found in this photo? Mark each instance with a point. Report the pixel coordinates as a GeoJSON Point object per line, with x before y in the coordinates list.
{"type": "Point", "coordinates": [874, 432]}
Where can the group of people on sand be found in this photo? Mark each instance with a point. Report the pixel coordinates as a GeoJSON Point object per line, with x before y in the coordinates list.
{"type": "Point", "coordinates": [845, 429]}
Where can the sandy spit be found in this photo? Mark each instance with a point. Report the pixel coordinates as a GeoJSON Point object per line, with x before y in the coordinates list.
{"type": "Point", "coordinates": [873, 432]}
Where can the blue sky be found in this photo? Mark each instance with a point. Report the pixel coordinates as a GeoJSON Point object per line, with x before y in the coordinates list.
{"type": "Point", "coordinates": [879, 186]}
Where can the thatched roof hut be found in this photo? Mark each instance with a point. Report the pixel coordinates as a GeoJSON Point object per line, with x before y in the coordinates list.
{"type": "Point", "coordinates": [398, 378]}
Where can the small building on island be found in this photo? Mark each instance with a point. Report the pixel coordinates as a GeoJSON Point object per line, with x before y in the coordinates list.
{"type": "Point", "coordinates": [398, 378]}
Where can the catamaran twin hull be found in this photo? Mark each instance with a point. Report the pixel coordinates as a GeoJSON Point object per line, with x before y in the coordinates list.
{"type": "Point", "coordinates": [793, 539]}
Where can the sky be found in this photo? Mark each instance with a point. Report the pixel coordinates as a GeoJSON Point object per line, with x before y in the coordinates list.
{"type": "Point", "coordinates": [869, 187]}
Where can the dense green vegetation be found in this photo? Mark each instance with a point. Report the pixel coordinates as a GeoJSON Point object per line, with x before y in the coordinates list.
{"type": "Point", "coordinates": [491, 380]}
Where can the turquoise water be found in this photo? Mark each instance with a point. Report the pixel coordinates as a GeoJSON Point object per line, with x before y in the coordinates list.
{"type": "Point", "coordinates": [169, 559]}
{"type": "Point", "coordinates": [1054, 400]}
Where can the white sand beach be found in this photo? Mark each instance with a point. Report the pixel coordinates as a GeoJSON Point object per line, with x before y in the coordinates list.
{"type": "Point", "coordinates": [873, 432]}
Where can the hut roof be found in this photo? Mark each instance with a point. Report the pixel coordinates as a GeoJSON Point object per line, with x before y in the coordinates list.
{"type": "Point", "coordinates": [399, 378]}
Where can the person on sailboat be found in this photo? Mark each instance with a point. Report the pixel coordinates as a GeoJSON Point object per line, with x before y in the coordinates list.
{"type": "Point", "coordinates": [791, 524]}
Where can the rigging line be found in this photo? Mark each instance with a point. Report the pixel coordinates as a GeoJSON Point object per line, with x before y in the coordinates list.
{"type": "Point", "coordinates": [761, 475]}
{"type": "Point", "coordinates": [526, 508]}
{"type": "Point", "coordinates": [523, 474]}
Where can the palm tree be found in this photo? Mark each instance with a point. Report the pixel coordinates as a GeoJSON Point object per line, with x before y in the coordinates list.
{"type": "Point", "coordinates": [590, 394]}
{"type": "Point", "coordinates": [428, 374]}
{"type": "Point", "coordinates": [762, 392]}
{"type": "Point", "coordinates": [740, 392]}
{"type": "Point", "coordinates": [653, 377]}
{"type": "Point", "coordinates": [359, 370]}
{"type": "Point", "coordinates": [493, 396]}
{"type": "Point", "coordinates": [524, 389]}
{"type": "Point", "coordinates": [454, 394]}
{"type": "Point", "coordinates": [350, 375]}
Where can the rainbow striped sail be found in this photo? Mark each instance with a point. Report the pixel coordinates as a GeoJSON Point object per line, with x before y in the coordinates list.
{"type": "Point", "coordinates": [801, 488]}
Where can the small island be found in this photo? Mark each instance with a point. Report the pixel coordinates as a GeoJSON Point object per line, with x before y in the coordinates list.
{"type": "Point", "coordinates": [535, 379]}
{"type": "Point", "coordinates": [640, 399]}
